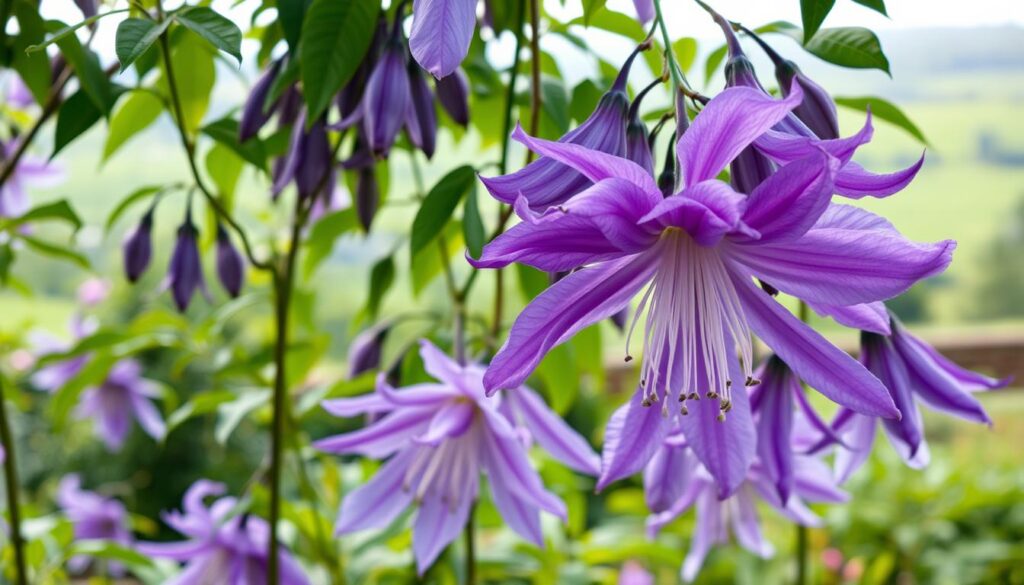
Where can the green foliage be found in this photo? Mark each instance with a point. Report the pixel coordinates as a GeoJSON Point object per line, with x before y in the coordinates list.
{"type": "Point", "coordinates": [438, 207]}
{"type": "Point", "coordinates": [219, 31]}
{"type": "Point", "coordinates": [135, 36]}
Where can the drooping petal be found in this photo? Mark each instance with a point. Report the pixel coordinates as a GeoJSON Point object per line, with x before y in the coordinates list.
{"type": "Point", "coordinates": [730, 122]}
{"type": "Point", "coordinates": [379, 501]}
{"type": "Point", "coordinates": [746, 525]}
{"type": "Point", "coordinates": [858, 435]}
{"type": "Point", "coordinates": [578, 300]}
{"type": "Point", "coordinates": [871, 317]}
{"type": "Point", "coordinates": [504, 458]}
{"type": "Point", "coordinates": [449, 421]}
{"type": "Point", "coordinates": [789, 202]}
{"type": "Point", "coordinates": [441, 32]}
{"type": "Point", "coordinates": [775, 426]}
{"type": "Point", "coordinates": [383, 437]}
{"type": "Point", "coordinates": [372, 403]}
{"type": "Point", "coordinates": [438, 365]}
{"type": "Point", "coordinates": [552, 433]}
{"type": "Point", "coordinates": [710, 530]}
{"type": "Point", "coordinates": [845, 267]}
{"type": "Point", "coordinates": [667, 476]}
{"type": "Point", "coordinates": [633, 434]}
{"type": "Point", "coordinates": [785, 147]}
{"type": "Point", "coordinates": [437, 525]}
{"type": "Point", "coordinates": [815, 360]}
{"type": "Point", "coordinates": [597, 225]}
{"type": "Point", "coordinates": [854, 181]}
{"type": "Point", "coordinates": [706, 211]}
{"type": "Point", "coordinates": [971, 381]}
{"type": "Point", "coordinates": [814, 482]}
{"type": "Point", "coordinates": [520, 516]}
{"type": "Point", "coordinates": [881, 359]}
{"type": "Point", "coordinates": [148, 416]}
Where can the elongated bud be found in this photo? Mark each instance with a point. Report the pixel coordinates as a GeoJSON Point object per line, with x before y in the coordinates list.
{"type": "Point", "coordinates": [749, 169]}
{"type": "Point", "coordinates": [667, 178]}
{"type": "Point", "coordinates": [644, 10]}
{"type": "Point", "coordinates": [88, 7]}
{"type": "Point", "coordinates": [367, 196]}
{"type": "Point", "coordinates": [315, 161]}
{"type": "Point", "coordinates": [638, 147]}
{"type": "Point", "coordinates": [421, 119]}
{"type": "Point", "coordinates": [386, 99]}
{"type": "Point", "coordinates": [453, 93]}
{"type": "Point", "coordinates": [230, 264]}
{"type": "Point", "coordinates": [138, 248]}
{"type": "Point", "coordinates": [365, 351]}
{"type": "Point", "coordinates": [186, 270]}
{"type": "Point", "coordinates": [256, 111]}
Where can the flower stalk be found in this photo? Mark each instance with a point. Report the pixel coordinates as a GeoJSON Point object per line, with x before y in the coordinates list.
{"type": "Point", "coordinates": [11, 486]}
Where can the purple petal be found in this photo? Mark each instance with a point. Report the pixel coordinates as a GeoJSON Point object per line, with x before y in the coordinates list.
{"type": "Point", "coordinates": [789, 202]}
{"type": "Point", "coordinates": [667, 476]}
{"type": "Point", "coordinates": [815, 360]}
{"type": "Point", "coordinates": [858, 435]}
{"type": "Point", "coordinates": [378, 502]}
{"type": "Point", "coordinates": [578, 300]}
{"type": "Point", "coordinates": [644, 10]}
{"type": "Point", "coordinates": [436, 526]}
{"type": "Point", "coordinates": [969, 380]}
{"type": "Point", "coordinates": [383, 437]}
{"type": "Point", "coordinates": [880, 357]}
{"type": "Point", "coordinates": [438, 365]}
{"type": "Point", "coordinates": [730, 122]}
{"type": "Point", "coordinates": [372, 403]}
{"type": "Point", "coordinates": [775, 426]}
{"type": "Point", "coordinates": [746, 525]}
{"type": "Point", "coordinates": [387, 97]}
{"type": "Point", "coordinates": [814, 482]}
{"type": "Point", "coordinates": [449, 421]}
{"type": "Point", "coordinates": [441, 33]}
{"type": "Point", "coordinates": [706, 211]}
{"type": "Point", "coordinates": [148, 416]}
{"type": "Point", "coordinates": [520, 516]}
{"type": "Point", "coordinates": [784, 147]}
{"type": "Point", "coordinates": [504, 457]}
{"type": "Point", "coordinates": [848, 217]}
{"type": "Point", "coordinates": [552, 433]}
{"type": "Point", "coordinates": [855, 182]}
{"type": "Point", "coordinates": [872, 317]}
{"type": "Point", "coordinates": [710, 530]}
{"type": "Point", "coordinates": [633, 434]}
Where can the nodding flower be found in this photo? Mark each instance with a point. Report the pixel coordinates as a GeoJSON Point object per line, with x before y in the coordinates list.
{"type": "Point", "coordinates": [453, 93]}
{"type": "Point", "coordinates": [230, 264]}
{"type": "Point", "coordinates": [386, 99]}
{"type": "Point", "coordinates": [185, 272]}
{"type": "Point", "coordinates": [138, 247]}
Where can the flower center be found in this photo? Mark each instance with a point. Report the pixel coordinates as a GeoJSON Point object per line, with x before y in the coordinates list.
{"type": "Point", "coordinates": [445, 470]}
{"type": "Point", "coordinates": [694, 323]}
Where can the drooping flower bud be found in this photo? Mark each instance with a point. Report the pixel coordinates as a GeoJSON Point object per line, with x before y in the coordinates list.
{"type": "Point", "coordinates": [638, 147]}
{"type": "Point", "coordinates": [230, 264]}
{"type": "Point", "coordinates": [367, 196]}
{"type": "Point", "coordinates": [453, 93]}
{"type": "Point", "coordinates": [644, 10]}
{"type": "Point", "coordinates": [256, 112]}
{"type": "Point", "coordinates": [364, 353]}
{"type": "Point", "coordinates": [138, 248]}
{"type": "Point", "coordinates": [386, 98]}
{"type": "Point", "coordinates": [421, 119]}
{"type": "Point", "coordinates": [308, 160]}
{"type": "Point", "coordinates": [667, 179]}
{"type": "Point", "coordinates": [185, 273]}
{"type": "Point", "coordinates": [88, 7]}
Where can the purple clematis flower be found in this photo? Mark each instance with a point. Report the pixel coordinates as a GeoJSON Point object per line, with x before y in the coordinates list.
{"type": "Point", "coordinates": [913, 372]}
{"type": "Point", "coordinates": [440, 437]}
{"type": "Point", "coordinates": [364, 353]}
{"type": "Point", "coordinates": [676, 481]}
{"type": "Point", "coordinates": [123, 396]}
{"type": "Point", "coordinates": [697, 252]}
{"type": "Point", "coordinates": [220, 549]}
{"type": "Point", "coordinates": [546, 182]}
{"type": "Point", "coordinates": [138, 247]}
{"type": "Point", "coordinates": [94, 517]}
{"type": "Point", "coordinates": [256, 112]}
{"type": "Point", "coordinates": [54, 376]}
{"type": "Point", "coordinates": [644, 10]}
{"type": "Point", "coordinates": [30, 173]}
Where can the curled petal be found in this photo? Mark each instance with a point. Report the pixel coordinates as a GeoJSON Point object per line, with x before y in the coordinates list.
{"type": "Point", "coordinates": [706, 211]}
{"type": "Point", "coordinates": [873, 317]}
{"type": "Point", "coordinates": [552, 433]}
{"type": "Point", "coordinates": [854, 181]}
{"type": "Point", "coordinates": [789, 202]}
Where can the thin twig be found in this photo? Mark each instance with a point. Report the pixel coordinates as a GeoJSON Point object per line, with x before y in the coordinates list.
{"type": "Point", "coordinates": [12, 487]}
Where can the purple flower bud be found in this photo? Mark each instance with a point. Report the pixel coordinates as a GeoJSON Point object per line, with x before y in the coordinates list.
{"type": "Point", "coordinates": [453, 93]}
{"type": "Point", "coordinates": [749, 169]}
{"type": "Point", "coordinates": [638, 148]}
{"type": "Point", "coordinates": [230, 265]}
{"type": "Point", "coordinates": [256, 111]}
{"type": "Point", "coordinates": [367, 196]}
{"type": "Point", "coordinates": [386, 99]}
{"type": "Point", "coordinates": [308, 160]}
{"type": "Point", "coordinates": [667, 179]}
{"type": "Point", "coordinates": [185, 273]}
{"type": "Point", "coordinates": [421, 119]}
{"type": "Point", "coordinates": [365, 351]}
{"type": "Point", "coordinates": [88, 7]}
{"type": "Point", "coordinates": [350, 97]}
{"type": "Point", "coordinates": [138, 248]}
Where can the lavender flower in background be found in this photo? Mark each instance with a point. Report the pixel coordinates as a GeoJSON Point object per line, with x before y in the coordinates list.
{"type": "Point", "coordinates": [644, 10]}
{"type": "Point", "coordinates": [679, 482]}
{"type": "Point", "coordinates": [913, 372]}
{"type": "Point", "coordinates": [94, 517]}
{"type": "Point", "coordinates": [308, 161]}
{"type": "Point", "coordinates": [31, 172]}
{"type": "Point", "coordinates": [220, 548]}
{"type": "Point", "coordinates": [453, 94]}
{"type": "Point", "coordinates": [367, 196]}
{"type": "Point", "coordinates": [93, 292]}
{"type": "Point", "coordinates": [124, 396]}
{"type": "Point", "coordinates": [546, 182]}
{"type": "Point", "coordinates": [230, 264]}
{"type": "Point", "coordinates": [185, 272]}
{"type": "Point", "coordinates": [54, 376]}
{"type": "Point", "coordinates": [440, 437]}
{"type": "Point", "coordinates": [364, 353]}
{"type": "Point", "coordinates": [138, 247]}
{"type": "Point", "coordinates": [697, 252]}
{"type": "Point", "coordinates": [633, 573]}
{"type": "Point", "coordinates": [16, 93]}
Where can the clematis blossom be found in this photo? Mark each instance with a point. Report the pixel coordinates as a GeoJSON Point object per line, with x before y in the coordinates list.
{"type": "Point", "coordinates": [691, 486]}
{"type": "Point", "coordinates": [94, 517]}
{"type": "Point", "coordinates": [220, 549]}
{"type": "Point", "coordinates": [122, 398]}
{"type": "Point", "coordinates": [30, 173]}
{"type": "Point", "coordinates": [439, 437]}
{"type": "Point", "coordinates": [913, 372]}
{"type": "Point", "coordinates": [695, 255]}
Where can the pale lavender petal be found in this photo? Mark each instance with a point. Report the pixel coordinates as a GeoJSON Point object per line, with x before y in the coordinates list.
{"type": "Point", "coordinates": [667, 477]}
{"type": "Point", "coordinates": [706, 211]}
{"type": "Point", "coordinates": [552, 433]}
{"type": "Point", "coordinates": [644, 10]}
{"type": "Point", "coordinates": [815, 360]}
{"type": "Point", "coordinates": [372, 403]}
{"type": "Point", "coordinates": [379, 501]}
{"type": "Point", "coordinates": [148, 416]}
{"type": "Point", "coordinates": [441, 33]}
{"type": "Point", "coordinates": [789, 202]}
{"type": "Point", "coordinates": [814, 481]}
{"type": "Point", "coordinates": [506, 462]}
{"type": "Point", "coordinates": [436, 526]}
{"type": "Point", "coordinates": [578, 300]}
{"type": "Point", "coordinates": [746, 525]}
{"type": "Point", "coordinates": [872, 317]}
{"type": "Point", "coordinates": [449, 421]}
{"type": "Point", "coordinates": [382, 438]}
{"type": "Point", "coordinates": [859, 436]}
{"type": "Point", "coordinates": [438, 364]}
{"type": "Point", "coordinates": [971, 381]}
{"type": "Point", "coordinates": [633, 434]}
{"type": "Point", "coordinates": [785, 147]}
{"type": "Point", "coordinates": [730, 122]}
{"type": "Point", "coordinates": [710, 530]}
{"type": "Point", "coordinates": [520, 515]}
{"type": "Point", "coordinates": [848, 217]}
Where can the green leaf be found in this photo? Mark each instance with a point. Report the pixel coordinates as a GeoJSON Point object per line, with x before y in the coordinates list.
{"type": "Point", "coordinates": [289, 15]}
{"type": "Point", "coordinates": [210, 25]}
{"type": "Point", "coordinates": [34, 68]}
{"type": "Point", "coordinates": [67, 396]}
{"type": "Point", "coordinates": [590, 8]}
{"type": "Point", "coordinates": [532, 282]}
{"type": "Point", "coordinates": [6, 259]}
{"type": "Point", "coordinates": [438, 206]}
{"type": "Point", "coordinates": [559, 372]}
{"type": "Point", "coordinates": [472, 224]}
{"type": "Point", "coordinates": [57, 210]}
{"type": "Point", "coordinates": [230, 414]}
{"type": "Point", "coordinates": [54, 250]}
{"type": "Point", "coordinates": [129, 201]}
{"type": "Point", "coordinates": [555, 103]}
{"type": "Point", "coordinates": [225, 131]}
{"type": "Point", "coordinates": [224, 168]}
{"type": "Point", "coordinates": [884, 110]}
{"type": "Point", "coordinates": [335, 37]}
{"type": "Point", "coordinates": [852, 46]}
{"type": "Point", "coordinates": [585, 97]}
{"type": "Point", "coordinates": [193, 64]}
{"type": "Point", "coordinates": [685, 50]}
{"type": "Point", "coordinates": [427, 264]}
{"type": "Point", "coordinates": [134, 36]}
{"type": "Point", "coordinates": [75, 117]}
{"type": "Point", "coordinates": [109, 550]}
{"type": "Point", "coordinates": [69, 30]}
{"type": "Point", "coordinates": [713, 61]}
{"type": "Point", "coordinates": [876, 5]}
{"type": "Point", "coordinates": [136, 113]}
{"type": "Point", "coordinates": [382, 276]}
{"type": "Point", "coordinates": [813, 13]}
{"type": "Point", "coordinates": [321, 238]}
{"type": "Point", "coordinates": [200, 404]}
{"type": "Point", "coordinates": [92, 78]}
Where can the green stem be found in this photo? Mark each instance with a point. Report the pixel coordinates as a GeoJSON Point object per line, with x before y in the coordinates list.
{"type": "Point", "coordinates": [13, 493]}
{"type": "Point", "coordinates": [470, 536]}
{"type": "Point", "coordinates": [678, 78]}
{"type": "Point", "coordinates": [802, 547]}
{"type": "Point", "coordinates": [323, 545]}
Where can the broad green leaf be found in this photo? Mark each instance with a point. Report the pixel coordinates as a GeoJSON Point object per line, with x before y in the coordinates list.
{"type": "Point", "coordinates": [224, 168]}
{"type": "Point", "coordinates": [69, 30]}
{"type": "Point", "coordinates": [230, 414]}
{"type": "Point", "coordinates": [590, 8]}
{"type": "Point", "coordinates": [34, 68]}
{"type": "Point", "coordinates": [194, 73]}
{"type": "Point", "coordinates": [472, 224]}
{"type": "Point", "coordinates": [713, 61]}
{"type": "Point", "coordinates": [134, 37]}
{"type": "Point", "coordinates": [851, 46]}
{"type": "Point", "coordinates": [427, 263]}
{"type": "Point", "coordinates": [135, 197]}
{"type": "Point", "coordinates": [289, 15]}
{"type": "Point", "coordinates": [210, 25]}
{"type": "Point", "coordinates": [560, 374]}
{"type": "Point", "coordinates": [55, 250]}
{"type": "Point", "coordinates": [135, 114]}
{"type": "Point", "coordinates": [56, 210]}
{"type": "Point", "coordinates": [876, 5]}
{"type": "Point", "coordinates": [382, 276]}
{"type": "Point", "coordinates": [813, 13]}
{"type": "Point", "coordinates": [225, 131]}
{"type": "Point", "coordinates": [532, 282]}
{"type": "Point", "coordinates": [6, 259]}
{"type": "Point", "coordinates": [321, 238]}
{"type": "Point", "coordinates": [555, 103]}
{"type": "Point", "coordinates": [202, 403]}
{"type": "Point", "coordinates": [438, 206]}
{"type": "Point", "coordinates": [623, 25]}
{"type": "Point", "coordinates": [884, 110]}
{"type": "Point", "coordinates": [75, 117]}
{"type": "Point", "coordinates": [111, 551]}
{"type": "Point", "coordinates": [685, 50]}
{"type": "Point", "coordinates": [585, 97]}
{"type": "Point", "coordinates": [335, 37]}
{"type": "Point", "coordinates": [91, 77]}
